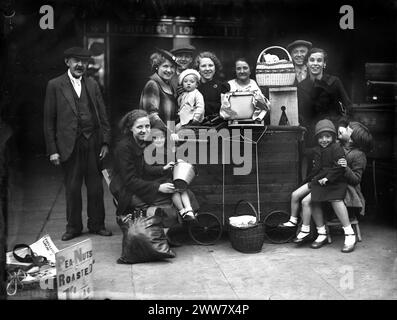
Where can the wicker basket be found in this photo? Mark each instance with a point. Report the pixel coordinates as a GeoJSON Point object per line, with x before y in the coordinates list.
{"type": "Point", "coordinates": [275, 74]}
{"type": "Point", "coordinates": [250, 239]}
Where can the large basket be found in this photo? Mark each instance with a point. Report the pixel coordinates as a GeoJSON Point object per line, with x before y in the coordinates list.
{"type": "Point", "coordinates": [275, 74]}
{"type": "Point", "coordinates": [247, 240]}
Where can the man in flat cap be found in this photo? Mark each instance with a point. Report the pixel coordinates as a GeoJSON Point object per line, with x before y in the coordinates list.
{"type": "Point", "coordinates": [184, 58]}
{"type": "Point", "coordinates": [298, 50]}
{"type": "Point", "coordinates": [77, 134]}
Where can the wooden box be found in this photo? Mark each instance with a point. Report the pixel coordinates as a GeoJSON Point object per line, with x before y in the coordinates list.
{"type": "Point", "coordinates": [283, 106]}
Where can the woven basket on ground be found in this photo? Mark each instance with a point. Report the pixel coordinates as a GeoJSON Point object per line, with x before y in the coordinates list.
{"type": "Point", "coordinates": [250, 239]}
{"type": "Point", "coordinates": [275, 74]}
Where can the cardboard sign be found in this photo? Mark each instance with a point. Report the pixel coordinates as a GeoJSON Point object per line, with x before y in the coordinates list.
{"type": "Point", "coordinates": [74, 271]}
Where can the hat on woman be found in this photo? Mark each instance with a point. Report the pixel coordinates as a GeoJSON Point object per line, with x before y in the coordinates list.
{"type": "Point", "coordinates": [324, 125]}
{"type": "Point", "coordinates": [187, 72]}
{"type": "Point", "coordinates": [168, 55]}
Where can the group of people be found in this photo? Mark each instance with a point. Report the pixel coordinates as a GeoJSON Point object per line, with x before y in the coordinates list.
{"type": "Point", "coordinates": [184, 89]}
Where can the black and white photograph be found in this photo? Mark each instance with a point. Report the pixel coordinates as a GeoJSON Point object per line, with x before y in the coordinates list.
{"type": "Point", "coordinates": [197, 157]}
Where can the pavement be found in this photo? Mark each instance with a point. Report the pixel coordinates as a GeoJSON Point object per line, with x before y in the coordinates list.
{"type": "Point", "coordinates": [278, 272]}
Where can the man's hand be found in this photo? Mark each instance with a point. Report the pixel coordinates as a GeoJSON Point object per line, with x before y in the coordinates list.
{"type": "Point", "coordinates": [342, 162]}
{"type": "Point", "coordinates": [323, 181]}
{"type": "Point", "coordinates": [55, 159]}
{"type": "Point", "coordinates": [104, 152]}
{"type": "Point", "coordinates": [179, 90]}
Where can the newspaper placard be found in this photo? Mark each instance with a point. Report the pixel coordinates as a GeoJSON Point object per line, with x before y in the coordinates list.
{"type": "Point", "coordinates": [42, 247]}
{"type": "Point", "coordinates": [74, 271]}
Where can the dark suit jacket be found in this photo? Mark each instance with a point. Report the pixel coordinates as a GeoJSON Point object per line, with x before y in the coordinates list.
{"type": "Point", "coordinates": [61, 117]}
{"type": "Point", "coordinates": [320, 99]}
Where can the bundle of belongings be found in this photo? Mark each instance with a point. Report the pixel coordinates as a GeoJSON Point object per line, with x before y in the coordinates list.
{"type": "Point", "coordinates": [144, 239]}
{"type": "Point", "coordinates": [32, 268]}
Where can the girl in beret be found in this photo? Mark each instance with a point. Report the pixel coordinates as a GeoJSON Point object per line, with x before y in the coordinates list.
{"type": "Point", "coordinates": [325, 183]}
{"type": "Point", "coordinates": [356, 141]}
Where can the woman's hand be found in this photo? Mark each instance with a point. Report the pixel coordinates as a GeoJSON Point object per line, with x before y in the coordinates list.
{"type": "Point", "coordinates": [169, 165]}
{"type": "Point", "coordinates": [167, 188]}
{"type": "Point", "coordinates": [323, 181]}
{"type": "Point", "coordinates": [342, 162]}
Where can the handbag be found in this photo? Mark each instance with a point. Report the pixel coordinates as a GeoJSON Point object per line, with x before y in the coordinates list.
{"type": "Point", "coordinates": [31, 257]}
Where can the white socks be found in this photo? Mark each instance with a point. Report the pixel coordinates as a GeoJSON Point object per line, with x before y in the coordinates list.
{"type": "Point", "coordinates": [292, 222]}
{"type": "Point", "coordinates": [304, 231]}
{"type": "Point", "coordinates": [186, 212]}
{"type": "Point", "coordinates": [321, 231]}
{"type": "Point", "coordinates": [350, 237]}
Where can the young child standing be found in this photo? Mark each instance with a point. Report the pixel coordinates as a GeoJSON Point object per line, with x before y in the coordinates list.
{"type": "Point", "coordinates": [325, 182]}
{"type": "Point", "coordinates": [191, 101]}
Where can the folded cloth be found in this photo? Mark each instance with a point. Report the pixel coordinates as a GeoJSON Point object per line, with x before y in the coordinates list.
{"type": "Point", "coordinates": [242, 221]}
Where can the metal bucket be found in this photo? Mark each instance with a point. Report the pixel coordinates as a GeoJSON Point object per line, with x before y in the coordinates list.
{"type": "Point", "coordinates": [183, 174]}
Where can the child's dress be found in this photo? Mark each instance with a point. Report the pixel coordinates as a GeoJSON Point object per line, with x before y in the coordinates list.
{"type": "Point", "coordinates": [325, 166]}
{"type": "Point", "coordinates": [191, 107]}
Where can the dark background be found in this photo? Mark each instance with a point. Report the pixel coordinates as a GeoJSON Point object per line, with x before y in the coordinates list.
{"type": "Point", "coordinates": [30, 57]}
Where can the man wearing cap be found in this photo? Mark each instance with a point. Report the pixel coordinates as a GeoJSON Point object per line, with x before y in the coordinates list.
{"type": "Point", "coordinates": [298, 50]}
{"type": "Point", "coordinates": [77, 134]}
{"type": "Point", "coordinates": [184, 58]}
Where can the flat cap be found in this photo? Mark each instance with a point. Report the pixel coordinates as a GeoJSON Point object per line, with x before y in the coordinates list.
{"type": "Point", "coordinates": [183, 48]}
{"type": "Point", "coordinates": [168, 55]}
{"type": "Point", "coordinates": [77, 52]}
{"type": "Point", "coordinates": [305, 43]}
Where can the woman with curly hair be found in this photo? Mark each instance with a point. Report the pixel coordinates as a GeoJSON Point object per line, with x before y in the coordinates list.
{"type": "Point", "coordinates": [210, 86]}
{"type": "Point", "coordinates": [158, 96]}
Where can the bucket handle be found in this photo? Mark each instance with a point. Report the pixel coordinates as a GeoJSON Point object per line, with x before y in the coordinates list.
{"type": "Point", "coordinates": [273, 47]}
{"type": "Point", "coordinates": [250, 205]}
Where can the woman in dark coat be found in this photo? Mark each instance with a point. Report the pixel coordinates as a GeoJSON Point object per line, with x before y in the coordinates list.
{"type": "Point", "coordinates": [158, 96]}
{"type": "Point", "coordinates": [130, 182]}
{"type": "Point", "coordinates": [320, 95]}
{"type": "Point", "coordinates": [210, 87]}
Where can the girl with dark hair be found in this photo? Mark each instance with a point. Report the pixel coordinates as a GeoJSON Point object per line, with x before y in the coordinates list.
{"type": "Point", "coordinates": [210, 87]}
{"type": "Point", "coordinates": [129, 183]}
{"type": "Point", "coordinates": [243, 83]}
{"type": "Point", "coordinates": [320, 95]}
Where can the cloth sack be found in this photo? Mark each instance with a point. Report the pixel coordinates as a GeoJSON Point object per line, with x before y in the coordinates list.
{"type": "Point", "coordinates": [144, 240]}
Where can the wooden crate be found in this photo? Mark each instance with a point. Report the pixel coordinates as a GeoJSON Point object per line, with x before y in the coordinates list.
{"type": "Point", "coordinates": [283, 98]}
{"type": "Point", "coordinates": [278, 172]}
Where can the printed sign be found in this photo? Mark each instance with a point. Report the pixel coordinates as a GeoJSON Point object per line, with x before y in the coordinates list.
{"type": "Point", "coordinates": [74, 271]}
